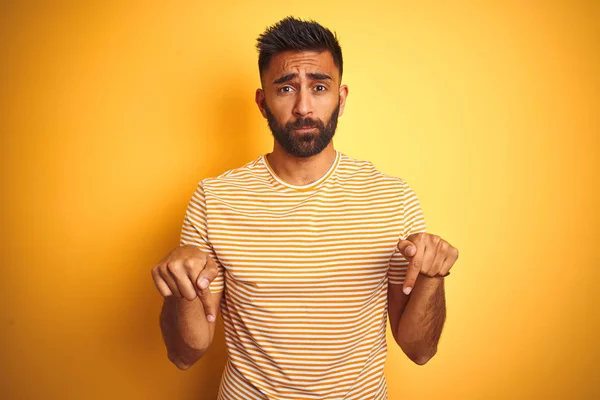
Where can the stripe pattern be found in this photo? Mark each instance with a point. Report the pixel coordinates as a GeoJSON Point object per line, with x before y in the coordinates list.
{"type": "Point", "coordinates": [305, 272]}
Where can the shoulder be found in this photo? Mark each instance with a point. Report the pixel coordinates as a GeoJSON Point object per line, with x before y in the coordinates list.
{"type": "Point", "coordinates": [244, 176]}
{"type": "Point", "coordinates": [364, 170]}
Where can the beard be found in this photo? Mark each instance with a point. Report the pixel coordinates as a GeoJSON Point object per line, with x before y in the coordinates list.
{"type": "Point", "coordinates": [305, 144]}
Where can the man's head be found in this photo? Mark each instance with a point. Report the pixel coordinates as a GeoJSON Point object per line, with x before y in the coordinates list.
{"type": "Point", "coordinates": [300, 64]}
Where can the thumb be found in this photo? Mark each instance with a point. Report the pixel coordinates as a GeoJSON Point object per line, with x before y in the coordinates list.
{"type": "Point", "coordinates": [407, 248]}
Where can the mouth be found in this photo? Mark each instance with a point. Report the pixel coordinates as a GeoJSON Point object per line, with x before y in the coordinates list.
{"type": "Point", "coordinates": [305, 129]}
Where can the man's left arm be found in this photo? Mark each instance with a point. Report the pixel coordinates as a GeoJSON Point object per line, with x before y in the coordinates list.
{"type": "Point", "coordinates": [417, 320]}
{"type": "Point", "coordinates": [417, 313]}
{"type": "Point", "coordinates": [417, 307]}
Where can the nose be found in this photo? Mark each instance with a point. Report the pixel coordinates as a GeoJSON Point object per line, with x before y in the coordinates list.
{"type": "Point", "coordinates": [303, 105]}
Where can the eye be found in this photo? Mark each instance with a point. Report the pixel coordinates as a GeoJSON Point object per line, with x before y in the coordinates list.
{"type": "Point", "coordinates": [284, 89]}
{"type": "Point", "coordinates": [320, 88]}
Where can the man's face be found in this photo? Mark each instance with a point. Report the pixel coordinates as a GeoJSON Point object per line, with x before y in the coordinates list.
{"type": "Point", "coordinates": [301, 100]}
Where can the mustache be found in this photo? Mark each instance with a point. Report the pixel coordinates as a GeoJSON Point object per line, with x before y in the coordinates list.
{"type": "Point", "coordinates": [305, 123]}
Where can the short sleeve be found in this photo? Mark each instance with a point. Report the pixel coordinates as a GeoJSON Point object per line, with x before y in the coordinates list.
{"type": "Point", "coordinates": [195, 232]}
{"type": "Point", "coordinates": [413, 221]}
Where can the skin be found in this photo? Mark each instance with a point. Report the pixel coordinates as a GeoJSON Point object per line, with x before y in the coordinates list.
{"type": "Point", "coordinates": [189, 308]}
{"type": "Point", "coordinates": [297, 87]}
{"type": "Point", "coordinates": [417, 313]}
{"type": "Point", "coordinates": [313, 92]}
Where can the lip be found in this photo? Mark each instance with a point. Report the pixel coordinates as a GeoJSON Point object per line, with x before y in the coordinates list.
{"type": "Point", "coordinates": [305, 129]}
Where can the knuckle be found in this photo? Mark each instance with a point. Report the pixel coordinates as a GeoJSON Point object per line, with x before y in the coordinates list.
{"type": "Point", "coordinates": [208, 308]}
{"type": "Point", "coordinates": [190, 296]}
{"type": "Point", "coordinates": [172, 267]}
{"type": "Point", "coordinates": [162, 272]}
{"type": "Point", "coordinates": [211, 266]}
{"type": "Point", "coordinates": [157, 273]}
{"type": "Point", "coordinates": [205, 293]}
{"type": "Point", "coordinates": [210, 279]}
{"type": "Point", "coordinates": [189, 264]}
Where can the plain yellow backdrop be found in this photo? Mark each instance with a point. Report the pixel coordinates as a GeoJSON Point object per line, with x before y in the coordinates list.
{"type": "Point", "coordinates": [111, 112]}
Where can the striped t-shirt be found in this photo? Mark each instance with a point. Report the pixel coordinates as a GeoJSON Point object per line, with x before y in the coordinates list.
{"type": "Point", "coordinates": [305, 271]}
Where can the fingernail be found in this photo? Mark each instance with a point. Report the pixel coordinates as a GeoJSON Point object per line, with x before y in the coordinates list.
{"type": "Point", "coordinates": [407, 290]}
{"type": "Point", "coordinates": [210, 318]}
{"type": "Point", "coordinates": [203, 283]}
{"type": "Point", "coordinates": [410, 249]}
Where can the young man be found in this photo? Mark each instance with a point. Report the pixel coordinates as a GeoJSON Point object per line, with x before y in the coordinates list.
{"type": "Point", "coordinates": [305, 251]}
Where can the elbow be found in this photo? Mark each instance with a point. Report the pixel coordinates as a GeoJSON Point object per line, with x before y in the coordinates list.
{"type": "Point", "coordinates": [185, 361]}
{"type": "Point", "coordinates": [419, 354]}
{"type": "Point", "coordinates": [421, 359]}
{"type": "Point", "coordinates": [180, 363]}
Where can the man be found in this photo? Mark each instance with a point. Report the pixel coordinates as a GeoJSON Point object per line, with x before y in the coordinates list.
{"type": "Point", "coordinates": [305, 251]}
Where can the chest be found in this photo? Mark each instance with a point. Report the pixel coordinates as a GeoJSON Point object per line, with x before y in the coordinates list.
{"type": "Point", "coordinates": [290, 244]}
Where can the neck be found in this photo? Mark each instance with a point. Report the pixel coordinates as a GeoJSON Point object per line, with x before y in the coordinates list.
{"type": "Point", "coordinates": [301, 170]}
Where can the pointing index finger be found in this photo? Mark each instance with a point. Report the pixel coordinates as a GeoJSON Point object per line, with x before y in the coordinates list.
{"type": "Point", "coordinates": [414, 267]}
{"type": "Point", "coordinates": [208, 274]}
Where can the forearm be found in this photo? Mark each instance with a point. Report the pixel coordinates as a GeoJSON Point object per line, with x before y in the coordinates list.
{"type": "Point", "coordinates": [185, 330]}
{"type": "Point", "coordinates": [421, 324]}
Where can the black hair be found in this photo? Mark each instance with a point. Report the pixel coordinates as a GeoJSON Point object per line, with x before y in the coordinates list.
{"type": "Point", "coordinates": [294, 34]}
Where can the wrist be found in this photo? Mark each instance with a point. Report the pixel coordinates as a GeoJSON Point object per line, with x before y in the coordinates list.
{"type": "Point", "coordinates": [428, 282]}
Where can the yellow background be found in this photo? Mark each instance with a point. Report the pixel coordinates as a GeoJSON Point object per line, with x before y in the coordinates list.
{"type": "Point", "coordinates": [110, 114]}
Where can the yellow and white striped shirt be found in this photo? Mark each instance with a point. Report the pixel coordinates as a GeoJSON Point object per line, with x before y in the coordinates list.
{"type": "Point", "coordinates": [305, 271]}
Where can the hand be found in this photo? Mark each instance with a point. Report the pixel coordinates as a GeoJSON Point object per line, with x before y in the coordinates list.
{"type": "Point", "coordinates": [427, 254]}
{"type": "Point", "coordinates": [186, 272]}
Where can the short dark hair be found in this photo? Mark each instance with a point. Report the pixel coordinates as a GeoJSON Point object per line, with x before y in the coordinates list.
{"type": "Point", "coordinates": [295, 34]}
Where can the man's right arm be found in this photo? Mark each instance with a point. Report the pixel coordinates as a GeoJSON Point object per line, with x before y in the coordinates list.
{"type": "Point", "coordinates": [185, 329]}
{"type": "Point", "coordinates": [185, 279]}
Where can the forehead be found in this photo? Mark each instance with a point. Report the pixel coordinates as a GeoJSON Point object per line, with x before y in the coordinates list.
{"type": "Point", "coordinates": [302, 61]}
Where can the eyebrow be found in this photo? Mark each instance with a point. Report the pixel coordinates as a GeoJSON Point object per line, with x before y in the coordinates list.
{"type": "Point", "coordinates": [312, 75]}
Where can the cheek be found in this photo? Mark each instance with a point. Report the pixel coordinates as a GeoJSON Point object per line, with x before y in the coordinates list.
{"type": "Point", "coordinates": [281, 109]}
{"type": "Point", "coordinates": [329, 102]}
{"type": "Point", "coordinates": [328, 108]}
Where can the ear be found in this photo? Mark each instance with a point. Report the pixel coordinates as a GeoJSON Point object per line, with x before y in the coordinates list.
{"type": "Point", "coordinates": [343, 96]}
{"type": "Point", "coordinates": [260, 101]}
